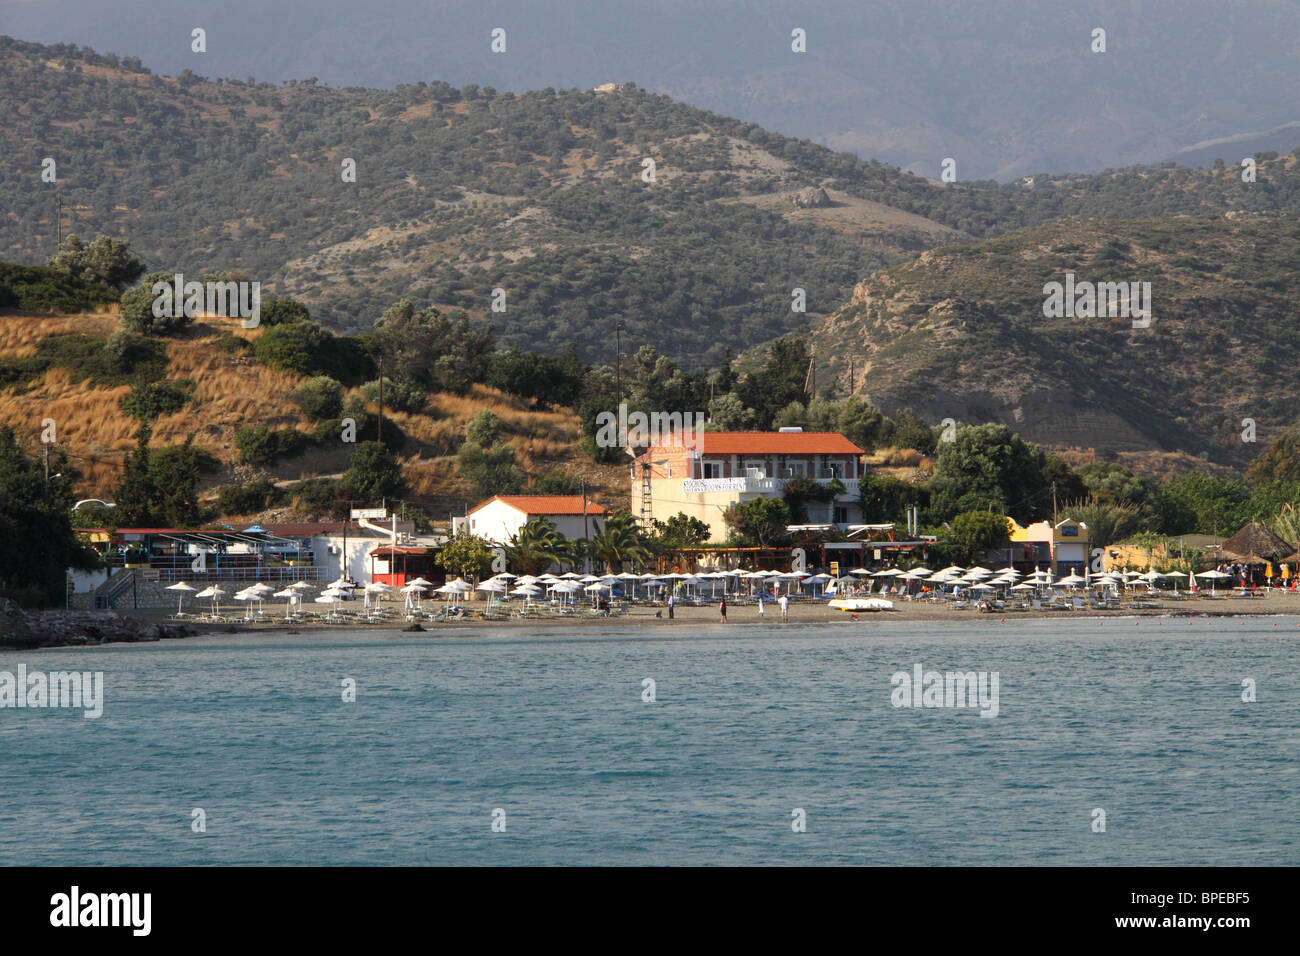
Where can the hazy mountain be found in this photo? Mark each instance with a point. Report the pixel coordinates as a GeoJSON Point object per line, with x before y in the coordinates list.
{"type": "Point", "coordinates": [1004, 87]}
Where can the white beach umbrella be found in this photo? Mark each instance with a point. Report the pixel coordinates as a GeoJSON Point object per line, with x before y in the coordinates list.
{"type": "Point", "coordinates": [376, 588]}
{"type": "Point", "coordinates": [917, 573]}
{"type": "Point", "coordinates": [182, 587]}
{"type": "Point", "coordinates": [302, 586]}
{"type": "Point", "coordinates": [292, 598]}
{"type": "Point", "coordinates": [213, 592]}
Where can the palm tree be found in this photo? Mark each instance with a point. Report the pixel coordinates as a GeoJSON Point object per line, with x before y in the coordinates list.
{"type": "Point", "coordinates": [619, 541]}
{"type": "Point", "coordinates": [536, 546]}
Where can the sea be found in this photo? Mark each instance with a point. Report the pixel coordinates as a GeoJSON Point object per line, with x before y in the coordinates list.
{"type": "Point", "coordinates": [1119, 741]}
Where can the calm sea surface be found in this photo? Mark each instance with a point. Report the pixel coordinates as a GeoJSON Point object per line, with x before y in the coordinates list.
{"type": "Point", "coordinates": [1144, 721]}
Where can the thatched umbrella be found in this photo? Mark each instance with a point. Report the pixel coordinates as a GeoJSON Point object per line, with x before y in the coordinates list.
{"type": "Point", "coordinates": [1255, 544]}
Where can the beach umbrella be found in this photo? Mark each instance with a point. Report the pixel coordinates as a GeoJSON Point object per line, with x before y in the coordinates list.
{"type": "Point", "coordinates": [979, 573]}
{"type": "Point", "coordinates": [917, 573]}
{"type": "Point", "coordinates": [213, 592]}
{"type": "Point", "coordinates": [413, 592]}
{"type": "Point", "coordinates": [859, 571]}
{"type": "Point", "coordinates": [341, 584]}
{"type": "Point", "coordinates": [1022, 587]}
{"type": "Point", "coordinates": [422, 582]}
{"type": "Point", "coordinates": [247, 595]}
{"type": "Point", "coordinates": [493, 587]}
{"type": "Point", "coordinates": [182, 587]}
{"type": "Point", "coordinates": [376, 588]}
{"type": "Point", "coordinates": [301, 586]}
{"type": "Point", "coordinates": [292, 598]}
{"type": "Point", "coordinates": [1071, 580]}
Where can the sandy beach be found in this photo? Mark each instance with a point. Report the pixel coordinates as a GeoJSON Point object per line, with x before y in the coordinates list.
{"type": "Point", "coordinates": [1276, 603]}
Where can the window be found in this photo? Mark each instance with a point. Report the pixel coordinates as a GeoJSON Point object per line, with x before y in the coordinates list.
{"type": "Point", "coordinates": [833, 469]}
{"type": "Point", "coordinates": [756, 468]}
{"type": "Point", "coordinates": [711, 469]}
{"type": "Point", "coordinates": [841, 515]}
{"type": "Point", "coordinates": [796, 469]}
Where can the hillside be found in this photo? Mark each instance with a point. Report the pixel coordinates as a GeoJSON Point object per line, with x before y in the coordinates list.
{"type": "Point", "coordinates": [462, 191]}
{"type": "Point", "coordinates": [960, 333]}
{"type": "Point", "coordinates": [456, 193]}
{"type": "Point", "coordinates": [232, 390]}
{"type": "Point", "coordinates": [1007, 87]}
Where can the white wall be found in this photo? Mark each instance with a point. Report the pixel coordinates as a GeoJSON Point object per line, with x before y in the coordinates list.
{"type": "Point", "coordinates": [498, 521]}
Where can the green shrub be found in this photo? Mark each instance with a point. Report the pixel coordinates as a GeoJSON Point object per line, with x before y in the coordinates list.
{"type": "Point", "coordinates": [138, 309]}
{"type": "Point", "coordinates": [483, 429]}
{"type": "Point", "coordinates": [43, 289]}
{"type": "Point", "coordinates": [319, 397]}
{"type": "Point", "coordinates": [259, 445]}
{"type": "Point", "coordinates": [249, 498]}
{"type": "Point", "coordinates": [399, 396]}
{"type": "Point", "coordinates": [282, 312]}
{"type": "Point", "coordinates": [317, 494]}
{"type": "Point", "coordinates": [152, 399]}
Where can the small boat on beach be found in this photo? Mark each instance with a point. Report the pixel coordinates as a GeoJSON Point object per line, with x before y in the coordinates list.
{"type": "Point", "coordinates": [856, 605]}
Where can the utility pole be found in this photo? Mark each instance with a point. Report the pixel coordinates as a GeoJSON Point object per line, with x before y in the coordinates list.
{"type": "Point", "coordinates": [58, 220]}
{"type": "Point", "coordinates": [618, 361]}
{"type": "Point", "coordinates": [381, 401]}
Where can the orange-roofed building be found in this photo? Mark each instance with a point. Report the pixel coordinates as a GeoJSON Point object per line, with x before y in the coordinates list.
{"type": "Point", "coordinates": [710, 471]}
{"type": "Point", "coordinates": [500, 517]}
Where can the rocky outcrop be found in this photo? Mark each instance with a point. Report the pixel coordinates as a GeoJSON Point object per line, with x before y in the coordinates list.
{"type": "Point", "coordinates": [31, 629]}
{"type": "Point", "coordinates": [811, 197]}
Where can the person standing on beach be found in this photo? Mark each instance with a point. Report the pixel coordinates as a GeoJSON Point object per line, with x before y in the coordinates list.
{"type": "Point", "coordinates": [760, 605]}
{"type": "Point", "coordinates": [670, 607]}
{"type": "Point", "coordinates": [722, 609]}
{"type": "Point", "coordinates": [785, 607]}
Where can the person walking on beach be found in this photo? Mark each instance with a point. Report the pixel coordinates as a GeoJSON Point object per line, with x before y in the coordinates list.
{"type": "Point", "coordinates": [760, 605]}
{"type": "Point", "coordinates": [722, 609]}
{"type": "Point", "coordinates": [670, 607]}
{"type": "Point", "coordinates": [785, 607]}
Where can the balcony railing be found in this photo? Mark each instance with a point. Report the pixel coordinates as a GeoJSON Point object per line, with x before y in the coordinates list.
{"type": "Point", "coordinates": [768, 486]}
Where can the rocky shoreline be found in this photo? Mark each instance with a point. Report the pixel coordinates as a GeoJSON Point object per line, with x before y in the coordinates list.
{"type": "Point", "coordinates": [29, 630]}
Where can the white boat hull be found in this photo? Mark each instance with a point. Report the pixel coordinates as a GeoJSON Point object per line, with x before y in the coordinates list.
{"type": "Point", "coordinates": [855, 605]}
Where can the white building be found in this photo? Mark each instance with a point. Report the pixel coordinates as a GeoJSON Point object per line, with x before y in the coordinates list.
{"type": "Point", "coordinates": [501, 517]}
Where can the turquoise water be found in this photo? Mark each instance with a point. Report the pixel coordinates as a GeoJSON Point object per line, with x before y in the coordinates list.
{"type": "Point", "coordinates": [1144, 721]}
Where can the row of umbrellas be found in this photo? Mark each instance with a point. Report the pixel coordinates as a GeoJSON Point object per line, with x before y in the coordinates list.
{"type": "Point", "coordinates": [529, 586]}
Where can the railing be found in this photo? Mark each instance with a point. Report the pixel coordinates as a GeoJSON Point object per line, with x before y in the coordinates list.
{"type": "Point", "coordinates": [186, 573]}
{"type": "Point", "coordinates": [113, 589]}
{"type": "Point", "coordinates": [750, 484]}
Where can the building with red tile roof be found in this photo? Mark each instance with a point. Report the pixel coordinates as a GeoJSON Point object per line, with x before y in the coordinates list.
{"type": "Point", "coordinates": [501, 516]}
{"type": "Point", "coordinates": [710, 471]}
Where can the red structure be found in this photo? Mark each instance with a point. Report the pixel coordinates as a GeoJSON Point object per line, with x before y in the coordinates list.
{"type": "Point", "coordinates": [396, 564]}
